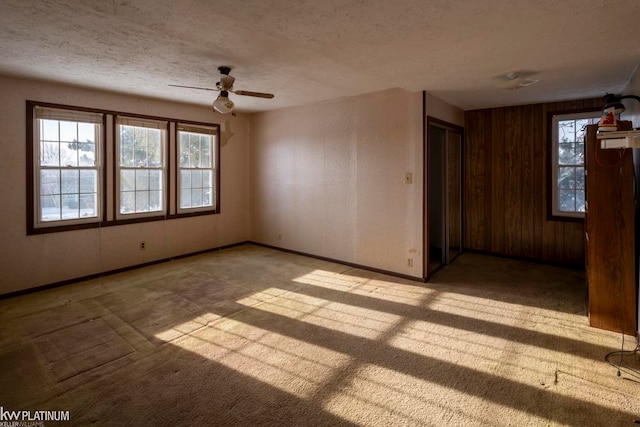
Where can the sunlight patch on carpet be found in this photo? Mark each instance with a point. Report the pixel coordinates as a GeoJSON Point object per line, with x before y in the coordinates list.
{"type": "Point", "coordinates": [291, 365]}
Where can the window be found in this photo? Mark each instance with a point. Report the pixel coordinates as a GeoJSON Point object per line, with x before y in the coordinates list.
{"type": "Point", "coordinates": [90, 168]}
{"type": "Point", "coordinates": [197, 163]}
{"type": "Point", "coordinates": [67, 168]}
{"type": "Point", "coordinates": [141, 167]}
{"type": "Point", "coordinates": [567, 158]}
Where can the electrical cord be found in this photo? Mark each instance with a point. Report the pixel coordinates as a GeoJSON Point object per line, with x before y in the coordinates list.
{"type": "Point", "coordinates": [635, 373]}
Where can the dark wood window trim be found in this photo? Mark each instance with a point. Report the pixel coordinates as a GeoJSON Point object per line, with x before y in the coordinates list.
{"type": "Point", "coordinates": [216, 166]}
{"type": "Point", "coordinates": [109, 188]}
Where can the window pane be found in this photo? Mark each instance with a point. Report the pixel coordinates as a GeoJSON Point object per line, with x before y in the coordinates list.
{"type": "Point", "coordinates": [155, 180]}
{"type": "Point", "coordinates": [207, 178]}
{"type": "Point", "coordinates": [70, 204]}
{"type": "Point", "coordinates": [579, 174]}
{"type": "Point", "coordinates": [566, 131]}
{"type": "Point", "coordinates": [205, 154]}
{"type": "Point", "coordinates": [88, 181]}
{"type": "Point", "coordinates": [87, 158]}
{"type": "Point", "coordinates": [579, 154]}
{"type": "Point", "coordinates": [49, 130]}
{"type": "Point", "coordinates": [68, 154]}
{"type": "Point", "coordinates": [580, 201]}
{"type": "Point", "coordinates": [185, 179]}
{"type": "Point", "coordinates": [566, 154]}
{"type": "Point", "coordinates": [196, 179]}
{"type": "Point", "coordinates": [49, 181]}
{"type": "Point", "coordinates": [581, 129]}
{"type": "Point", "coordinates": [184, 150]}
{"type": "Point", "coordinates": [84, 153]}
{"type": "Point", "coordinates": [142, 180]}
{"type": "Point", "coordinates": [566, 178]}
{"type": "Point", "coordinates": [68, 131]}
{"type": "Point", "coordinates": [50, 154]}
{"type": "Point", "coordinates": [566, 200]}
{"type": "Point", "coordinates": [88, 205]}
{"type": "Point", "coordinates": [50, 208]}
{"type": "Point", "coordinates": [185, 199]}
{"type": "Point", "coordinates": [127, 146]}
{"type": "Point", "coordinates": [127, 180]}
{"type": "Point", "coordinates": [140, 155]}
{"type": "Point", "coordinates": [70, 181]}
{"type": "Point", "coordinates": [206, 198]}
{"type": "Point", "coordinates": [196, 197]}
{"type": "Point", "coordinates": [154, 147]}
{"type": "Point", "coordinates": [127, 202]}
{"type": "Point", "coordinates": [139, 135]}
{"type": "Point", "coordinates": [194, 150]}
{"type": "Point", "coordinates": [155, 200]}
{"type": "Point", "coordinates": [142, 201]}
{"type": "Point", "coordinates": [86, 133]}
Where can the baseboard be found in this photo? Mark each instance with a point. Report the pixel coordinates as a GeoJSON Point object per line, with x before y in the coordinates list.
{"type": "Point", "coordinates": [519, 258]}
{"type": "Point", "coordinates": [116, 271]}
{"type": "Point", "coordinates": [348, 264]}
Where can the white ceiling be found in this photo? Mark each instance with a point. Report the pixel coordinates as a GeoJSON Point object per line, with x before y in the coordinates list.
{"type": "Point", "coordinates": [305, 51]}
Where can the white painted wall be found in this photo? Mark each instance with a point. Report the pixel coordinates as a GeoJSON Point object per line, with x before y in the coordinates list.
{"type": "Point", "coordinates": [30, 261]}
{"type": "Point", "coordinates": [328, 179]}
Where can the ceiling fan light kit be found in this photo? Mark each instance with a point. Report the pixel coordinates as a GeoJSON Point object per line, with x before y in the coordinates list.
{"type": "Point", "coordinates": [514, 80]}
{"type": "Point", "coordinates": [223, 104]}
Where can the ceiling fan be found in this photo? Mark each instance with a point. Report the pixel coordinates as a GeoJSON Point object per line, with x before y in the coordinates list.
{"type": "Point", "coordinates": [223, 104]}
{"type": "Point", "coordinates": [515, 80]}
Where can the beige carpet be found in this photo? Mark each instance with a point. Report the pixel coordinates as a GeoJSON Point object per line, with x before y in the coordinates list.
{"type": "Point", "coordinates": [254, 336]}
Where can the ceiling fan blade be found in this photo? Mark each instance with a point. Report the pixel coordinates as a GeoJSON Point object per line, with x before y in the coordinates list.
{"type": "Point", "coordinates": [256, 94]}
{"type": "Point", "coordinates": [195, 87]}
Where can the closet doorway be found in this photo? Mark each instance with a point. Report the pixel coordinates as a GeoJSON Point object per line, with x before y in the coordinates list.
{"type": "Point", "coordinates": [443, 164]}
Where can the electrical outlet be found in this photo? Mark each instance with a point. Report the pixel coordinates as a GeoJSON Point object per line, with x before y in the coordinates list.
{"type": "Point", "coordinates": [143, 245]}
{"type": "Point", "coordinates": [409, 262]}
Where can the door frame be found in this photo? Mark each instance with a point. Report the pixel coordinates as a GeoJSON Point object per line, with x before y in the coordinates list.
{"type": "Point", "coordinates": [434, 121]}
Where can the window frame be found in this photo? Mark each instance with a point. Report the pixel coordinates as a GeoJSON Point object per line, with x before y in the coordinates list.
{"type": "Point", "coordinates": [214, 131]}
{"type": "Point", "coordinates": [553, 162]}
{"type": "Point", "coordinates": [144, 123]}
{"type": "Point", "coordinates": [108, 185]}
{"type": "Point", "coordinates": [36, 112]}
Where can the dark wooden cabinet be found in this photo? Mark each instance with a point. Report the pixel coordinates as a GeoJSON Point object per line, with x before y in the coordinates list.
{"type": "Point", "coordinates": [609, 237]}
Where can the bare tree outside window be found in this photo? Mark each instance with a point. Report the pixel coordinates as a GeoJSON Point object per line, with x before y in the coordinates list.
{"type": "Point", "coordinates": [68, 170]}
{"type": "Point", "coordinates": [568, 162]}
{"type": "Point", "coordinates": [141, 165]}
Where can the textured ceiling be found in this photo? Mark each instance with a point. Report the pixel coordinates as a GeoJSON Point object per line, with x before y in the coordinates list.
{"type": "Point", "coordinates": [305, 51]}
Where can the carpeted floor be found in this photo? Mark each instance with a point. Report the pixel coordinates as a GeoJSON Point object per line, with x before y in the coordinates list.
{"type": "Point", "coordinates": [253, 336]}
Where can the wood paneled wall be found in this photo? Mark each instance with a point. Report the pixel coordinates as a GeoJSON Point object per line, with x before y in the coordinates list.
{"type": "Point", "coordinates": [505, 185]}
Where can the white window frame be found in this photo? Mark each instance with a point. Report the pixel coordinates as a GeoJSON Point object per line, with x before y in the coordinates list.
{"type": "Point", "coordinates": [555, 161]}
{"type": "Point", "coordinates": [213, 133]}
{"type": "Point", "coordinates": [144, 123]}
{"type": "Point", "coordinates": [65, 115]}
